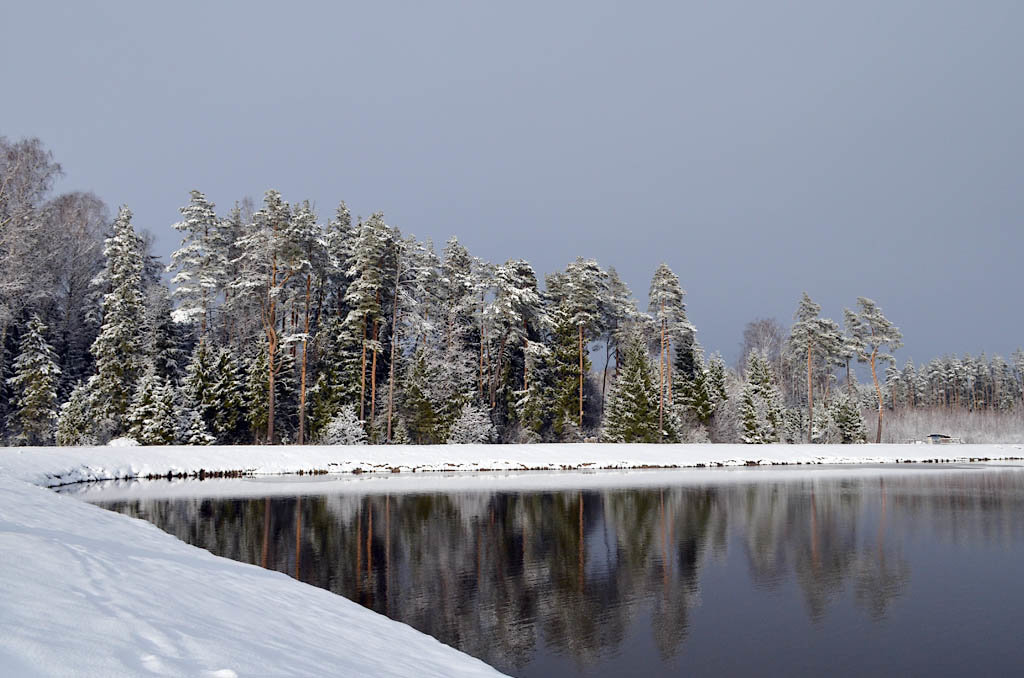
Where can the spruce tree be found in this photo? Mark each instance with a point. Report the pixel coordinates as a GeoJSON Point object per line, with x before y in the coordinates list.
{"type": "Point", "coordinates": [761, 411]}
{"type": "Point", "coordinates": [34, 383]}
{"type": "Point", "coordinates": [119, 353]}
{"type": "Point", "coordinates": [151, 417]}
{"type": "Point", "coordinates": [75, 424]}
{"type": "Point", "coordinates": [632, 413]}
{"type": "Point", "coordinates": [473, 426]}
{"type": "Point", "coordinates": [201, 261]}
{"type": "Point", "coordinates": [345, 429]}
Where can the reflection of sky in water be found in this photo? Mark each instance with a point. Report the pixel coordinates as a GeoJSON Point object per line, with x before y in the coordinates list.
{"type": "Point", "coordinates": [820, 573]}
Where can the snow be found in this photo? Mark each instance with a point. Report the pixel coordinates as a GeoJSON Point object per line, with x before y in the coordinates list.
{"type": "Point", "coordinates": [87, 592]}
{"type": "Point", "coordinates": [84, 591]}
{"type": "Point", "coordinates": [51, 466]}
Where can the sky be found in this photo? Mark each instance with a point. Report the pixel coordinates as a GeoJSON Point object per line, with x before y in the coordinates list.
{"type": "Point", "coordinates": [871, 148]}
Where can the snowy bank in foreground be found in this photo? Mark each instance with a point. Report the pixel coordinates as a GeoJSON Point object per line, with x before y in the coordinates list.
{"type": "Point", "coordinates": [61, 465]}
{"type": "Point", "coordinates": [84, 591]}
{"type": "Point", "coordinates": [87, 592]}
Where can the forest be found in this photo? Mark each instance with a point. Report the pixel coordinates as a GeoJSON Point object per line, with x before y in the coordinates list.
{"type": "Point", "coordinates": [272, 324]}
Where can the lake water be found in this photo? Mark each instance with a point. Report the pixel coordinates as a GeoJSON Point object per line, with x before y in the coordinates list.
{"type": "Point", "coordinates": [898, 571]}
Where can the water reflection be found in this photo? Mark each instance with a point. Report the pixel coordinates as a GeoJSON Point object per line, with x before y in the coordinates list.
{"type": "Point", "coordinates": [530, 581]}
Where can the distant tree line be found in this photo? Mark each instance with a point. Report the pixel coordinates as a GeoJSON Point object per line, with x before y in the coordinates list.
{"type": "Point", "coordinates": [278, 327]}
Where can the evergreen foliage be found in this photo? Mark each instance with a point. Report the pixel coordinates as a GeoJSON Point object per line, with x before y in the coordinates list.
{"type": "Point", "coordinates": [632, 411]}
{"type": "Point", "coordinates": [35, 381]}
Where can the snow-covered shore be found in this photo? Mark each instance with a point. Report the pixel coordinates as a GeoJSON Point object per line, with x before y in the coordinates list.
{"type": "Point", "coordinates": [51, 466]}
{"type": "Point", "coordinates": [84, 591]}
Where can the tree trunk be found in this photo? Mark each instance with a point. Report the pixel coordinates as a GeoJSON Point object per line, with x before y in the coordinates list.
{"type": "Point", "coordinates": [581, 377]}
{"type": "Point", "coordinates": [272, 351]}
{"type": "Point", "coordinates": [810, 396]}
{"type": "Point", "coordinates": [394, 342]}
{"type": "Point", "coordinates": [849, 381]}
{"type": "Point", "coordinates": [878, 391]}
{"type": "Point", "coordinates": [362, 377]}
{"type": "Point", "coordinates": [604, 375]}
{"type": "Point", "coordinates": [526, 345]}
{"type": "Point", "coordinates": [661, 380]}
{"type": "Point", "coordinates": [373, 375]}
{"type": "Point", "coordinates": [302, 378]}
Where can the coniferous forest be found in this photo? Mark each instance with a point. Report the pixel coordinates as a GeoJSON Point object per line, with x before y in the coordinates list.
{"type": "Point", "coordinates": [274, 324]}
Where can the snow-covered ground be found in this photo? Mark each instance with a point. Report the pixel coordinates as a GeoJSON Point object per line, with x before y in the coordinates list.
{"type": "Point", "coordinates": [61, 465]}
{"type": "Point", "coordinates": [84, 591]}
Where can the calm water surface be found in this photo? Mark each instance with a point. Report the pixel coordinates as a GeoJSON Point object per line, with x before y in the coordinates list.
{"type": "Point", "coordinates": [898, 573]}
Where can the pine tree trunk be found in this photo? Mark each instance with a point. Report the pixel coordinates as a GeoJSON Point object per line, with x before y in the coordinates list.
{"type": "Point", "coordinates": [849, 381]}
{"type": "Point", "coordinates": [272, 351]}
{"type": "Point", "coordinates": [604, 375]}
{"type": "Point", "coordinates": [661, 380]}
{"type": "Point", "coordinates": [526, 344]}
{"type": "Point", "coordinates": [362, 377]}
{"type": "Point", "coordinates": [394, 342]}
{"type": "Point", "coordinates": [302, 378]}
{"type": "Point", "coordinates": [581, 376]}
{"type": "Point", "coordinates": [373, 375]}
{"type": "Point", "coordinates": [878, 391]}
{"type": "Point", "coordinates": [810, 396]}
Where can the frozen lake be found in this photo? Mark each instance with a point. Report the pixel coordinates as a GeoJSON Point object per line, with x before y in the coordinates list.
{"type": "Point", "coordinates": [838, 570]}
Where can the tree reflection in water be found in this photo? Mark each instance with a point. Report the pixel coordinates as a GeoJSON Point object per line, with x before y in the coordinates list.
{"type": "Point", "coordinates": [502, 575]}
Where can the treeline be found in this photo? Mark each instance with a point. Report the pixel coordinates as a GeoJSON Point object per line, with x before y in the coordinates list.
{"type": "Point", "coordinates": [278, 327]}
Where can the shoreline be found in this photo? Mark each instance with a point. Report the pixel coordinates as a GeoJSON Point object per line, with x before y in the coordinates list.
{"type": "Point", "coordinates": [87, 588]}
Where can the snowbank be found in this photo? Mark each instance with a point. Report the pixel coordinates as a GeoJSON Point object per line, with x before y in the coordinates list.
{"type": "Point", "coordinates": [52, 466]}
{"type": "Point", "coordinates": [87, 592]}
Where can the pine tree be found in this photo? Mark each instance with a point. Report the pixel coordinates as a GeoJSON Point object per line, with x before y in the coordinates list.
{"type": "Point", "coordinates": [873, 332]}
{"type": "Point", "coordinates": [227, 390]}
{"type": "Point", "coordinates": [151, 417]}
{"type": "Point", "coordinates": [190, 429]}
{"type": "Point", "coordinates": [420, 417]}
{"type": "Point", "coordinates": [34, 383]}
{"type": "Point", "coordinates": [666, 303]}
{"type": "Point", "coordinates": [201, 261]}
{"type": "Point", "coordinates": [761, 410]}
{"type": "Point", "coordinates": [473, 426]}
{"type": "Point", "coordinates": [199, 383]}
{"type": "Point", "coordinates": [75, 424]}
{"type": "Point", "coordinates": [848, 420]}
{"type": "Point", "coordinates": [813, 336]}
{"type": "Point", "coordinates": [118, 352]}
{"type": "Point", "coordinates": [345, 429]}
{"type": "Point", "coordinates": [632, 415]}
{"type": "Point", "coordinates": [271, 256]}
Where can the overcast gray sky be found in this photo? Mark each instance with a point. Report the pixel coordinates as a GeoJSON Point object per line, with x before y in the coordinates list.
{"type": "Point", "coordinates": [760, 149]}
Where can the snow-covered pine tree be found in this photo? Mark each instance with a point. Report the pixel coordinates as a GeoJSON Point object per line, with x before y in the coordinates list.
{"type": "Point", "coordinates": [151, 417]}
{"type": "Point", "coordinates": [75, 424]}
{"type": "Point", "coordinates": [632, 412]}
{"type": "Point", "coordinates": [518, 318]}
{"type": "Point", "coordinates": [812, 336]}
{"type": "Point", "coordinates": [119, 353]}
{"type": "Point", "coordinates": [665, 301]}
{"type": "Point", "coordinates": [198, 385]}
{"type": "Point", "coordinates": [873, 332]}
{"type": "Point", "coordinates": [576, 294]}
{"type": "Point", "coordinates": [34, 383]}
{"type": "Point", "coordinates": [190, 429]}
{"type": "Point", "coordinates": [619, 315]}
{"type": "Point", "coordinates": [345, 429]}
{"type": "Point", "coordinates": [312, 270]}
{"type": "Point", "coordinates": [201, 262]}
{"type": "Point", "coordinates": [473, 426]}
{"type": "Point", "coordinates": [848, 421]}
{"type": "Point", "coordinates": [227, 390]}
{"type": "Point", "coordinates": [417, 406]}
{"type": "Point", "coordinates": [163, 338]}
{"type": "Point", "coordinates": [761, 412]}
{"type": "Point", "coordinates": [363, 296]}
{"type": "Point", "coordinates": [271, 256]}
